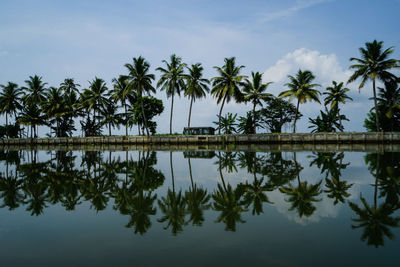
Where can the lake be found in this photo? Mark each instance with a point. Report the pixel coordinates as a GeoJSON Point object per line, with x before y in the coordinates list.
{"type": "Point", "coordinates": [199, 207]}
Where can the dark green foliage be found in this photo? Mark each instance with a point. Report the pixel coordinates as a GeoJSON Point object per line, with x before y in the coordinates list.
{"type": "Point", "coordinates": [11, 131]}
{"type": "Point", "coordinates": [226, 124]}
{"type": "Point", "coordinates": [152, 107]}
{"type": "Point", "coordinates": [388, 104]}
{"type": "Point", "coordinates": [277, 113]}
{"type": "Point", "coordinates": [327, 121]}
{"type": "Point", "coordinates": [247, 125]}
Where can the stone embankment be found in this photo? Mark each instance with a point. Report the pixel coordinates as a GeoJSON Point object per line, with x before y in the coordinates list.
{"type": "Point", "coordinates": [284, 138]}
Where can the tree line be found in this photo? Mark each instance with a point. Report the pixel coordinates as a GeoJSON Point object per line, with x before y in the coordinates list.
{"type": "Point", "coordinates": [37, 104]}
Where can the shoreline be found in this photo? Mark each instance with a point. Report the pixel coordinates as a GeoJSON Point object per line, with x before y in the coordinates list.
{"type": "Point", "coordinates": [324, 142]}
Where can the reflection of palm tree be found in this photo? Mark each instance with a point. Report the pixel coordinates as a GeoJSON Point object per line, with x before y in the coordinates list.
{"type": "Point", "coordinates": [10, 192]}
{"type": "Point", "coordinates": [174, 209]}
{"type": "Point", "coordinates": [140, 209]}
{"type": "Point", "coordinates": [255, 194]}
{"type": "Point", "coordinates": [229, 202]}
{"type": "Point", "coordinates": [173, 206]}
{"type": "Point", "coordinates": [302, 196]}
{"type": "Point", "coordinates": [375, 221]}
{"type": "Point", "coordinates": [332, 165]}
{"type": "Point", "coordinates": [197, 201]}
{"type": "Point", "coordinates": [337, 189]}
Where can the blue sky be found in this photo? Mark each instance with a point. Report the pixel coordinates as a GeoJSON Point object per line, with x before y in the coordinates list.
{"type": "Point", "coordinates": [84, 39]}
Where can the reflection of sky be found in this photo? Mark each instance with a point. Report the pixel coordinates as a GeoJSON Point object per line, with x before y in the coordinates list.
{"type": "Point", "coordinates": [87, 237]}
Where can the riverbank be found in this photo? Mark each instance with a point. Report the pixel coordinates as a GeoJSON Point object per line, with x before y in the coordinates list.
{"type": "Point", "coordinates": [253, 139]}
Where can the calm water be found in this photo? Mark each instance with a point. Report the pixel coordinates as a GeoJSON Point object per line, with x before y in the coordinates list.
{"type": "Point", "coordinates": [151, 208]}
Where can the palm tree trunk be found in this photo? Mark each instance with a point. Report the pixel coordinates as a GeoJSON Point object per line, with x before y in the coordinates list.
{"type": "Point", "coordinates": [220, 172]}
{"type": "Point", "coordinates": [190, 173]}
{"type": "Point", "coordinates": [254, 117]}
{"type": "Point", "coordinates": [109, 129]}
{"type": "Point", "coordinates": [295, 116]}
{"type": "Point", "coordinates": [219, 117]}
{"type": "Point", "coordinates": [340, 120]}
{"type": "Point", "coordinates": [7, 124]}
{"type": "Point", "coordinates": [190, 112]}
{"type": "Point", "coordinates": [170, 118]}
{"type": "Point", "coordinates": [172, 171]}
{"type": "Point", "coordinates": [376, 106]}
{"type": "Point", "coordinates": [126, 120]}
{"type": "Point", "coordinates": [144, 116]}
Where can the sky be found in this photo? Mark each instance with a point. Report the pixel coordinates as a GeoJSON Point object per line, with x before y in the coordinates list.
{"type": "Point", "coordinates": [88, 39]}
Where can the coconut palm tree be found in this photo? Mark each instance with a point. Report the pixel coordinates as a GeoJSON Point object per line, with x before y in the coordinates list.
{"type": "Point", "coordinates": [196, 86]}
{"type": "Point", "coordinates": [301, 88]}
{"type": "Point", "coordinates": [227, 85]}
{"type": "Point", "coordinates": [227, 123]}
{"type": "Point", "coordinates": [336, 94]}
{"type": "Point", "coordinates": [68, 86]}
{"type": "Point", "coordinates": [10, 99]}
{"type": "Point", "coordinates": [122, 92]}
{"type": "Point", "coordinates": [53, 107]}
{"type": "Point", "coordinates": [95, 97]}
{"type": "Point", "coordinates": [373, 65]}
{"type": "Point", "coordinates": [140, 80]}
{"type": "Point", "coordinates": [34, 91]}
{"type": "Point", "coordinates": [110, 116]}
{"type": "Point", "coordinates": [254, 92]}
{"type": "Point", "coordinates": [172, 80]}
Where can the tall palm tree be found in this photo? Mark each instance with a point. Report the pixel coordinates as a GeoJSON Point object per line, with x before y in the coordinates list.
{"type": "Point", "coordinates": [300, 87]}
{"type": "Point", "coordinates": [254, 92]}
{"type": "Point", "coordinates": [34, 94]}
{"type": "Point", "coordinates": [196, 86]}
{"type": "Point", "coordinates": [140, 80]}
{"type": "Point", "coordinates": [227, 85]}
{"type": "Point", "coordinates": [172, 80]}
{"type": "Point", "coordinates": [53, 107]}
{"type": "Point", "coordinates": [10, 99]}
{"type": "Point", "coordinates": [122, 92]}
{"type": "Point", "coordinates": [95, 96]}
{"type": "Point", "coordinates": [336, 94]}
{"type": "Point", "coordinates": [69, 86]}
{"type": "Point", "coordinates": [373, 65]}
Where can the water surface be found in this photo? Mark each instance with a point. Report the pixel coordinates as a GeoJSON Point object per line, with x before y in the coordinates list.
{"type": "Point", "coordinates": [215, 208]}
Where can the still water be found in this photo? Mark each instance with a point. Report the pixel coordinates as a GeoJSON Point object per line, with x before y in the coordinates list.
{"type": "Point", "coordinates": [197, 208]}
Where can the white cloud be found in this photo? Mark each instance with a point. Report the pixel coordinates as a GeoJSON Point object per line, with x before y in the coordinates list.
{"type": "Point", "coordinates": [326, 68]}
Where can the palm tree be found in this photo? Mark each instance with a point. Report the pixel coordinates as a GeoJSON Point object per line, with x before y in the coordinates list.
{"type": "Point", "coordinates": [227, 123]}
{"type": "Point", "coordinates": [336, 94]}
{"type": "Point", "coordinates": [34, 91]}
{"type": "Point", "coordinates": [95, 96]}
{"type": "Point", "coordinates": [254, 92]}
{"type": "Point", "coordinates": [53, 107]}
{"type": "Point", "coordinates": [172, 80]}
{"type": "Point", "coordinates": [9, 99]}
{"type": "Point", "coordinates": [300, 87]}
{"type": "Point", "coordinates": [110, 116]}
{"type": "Point", "coordinates": [69, 86]}
{"type": "Point", "coordinates": [140, 80]}
{"type": "Point", "coordinates": [196, 86]}
{"type": "Point", "coordinates": [373, 65]}
{"type": "Point", "coordinates": [122, 92]}
{"type": "Point", "coordinates": [227, 85]}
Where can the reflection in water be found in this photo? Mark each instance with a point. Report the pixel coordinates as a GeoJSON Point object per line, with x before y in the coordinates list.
{"type": "Point", "coordinates": [129, 184]}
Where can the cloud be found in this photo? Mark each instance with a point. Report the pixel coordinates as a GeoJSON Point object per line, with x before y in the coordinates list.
{"type": "Point", "coordinates": [326, 68]}
{"type": "Point", "coordinates": [299, 5]}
